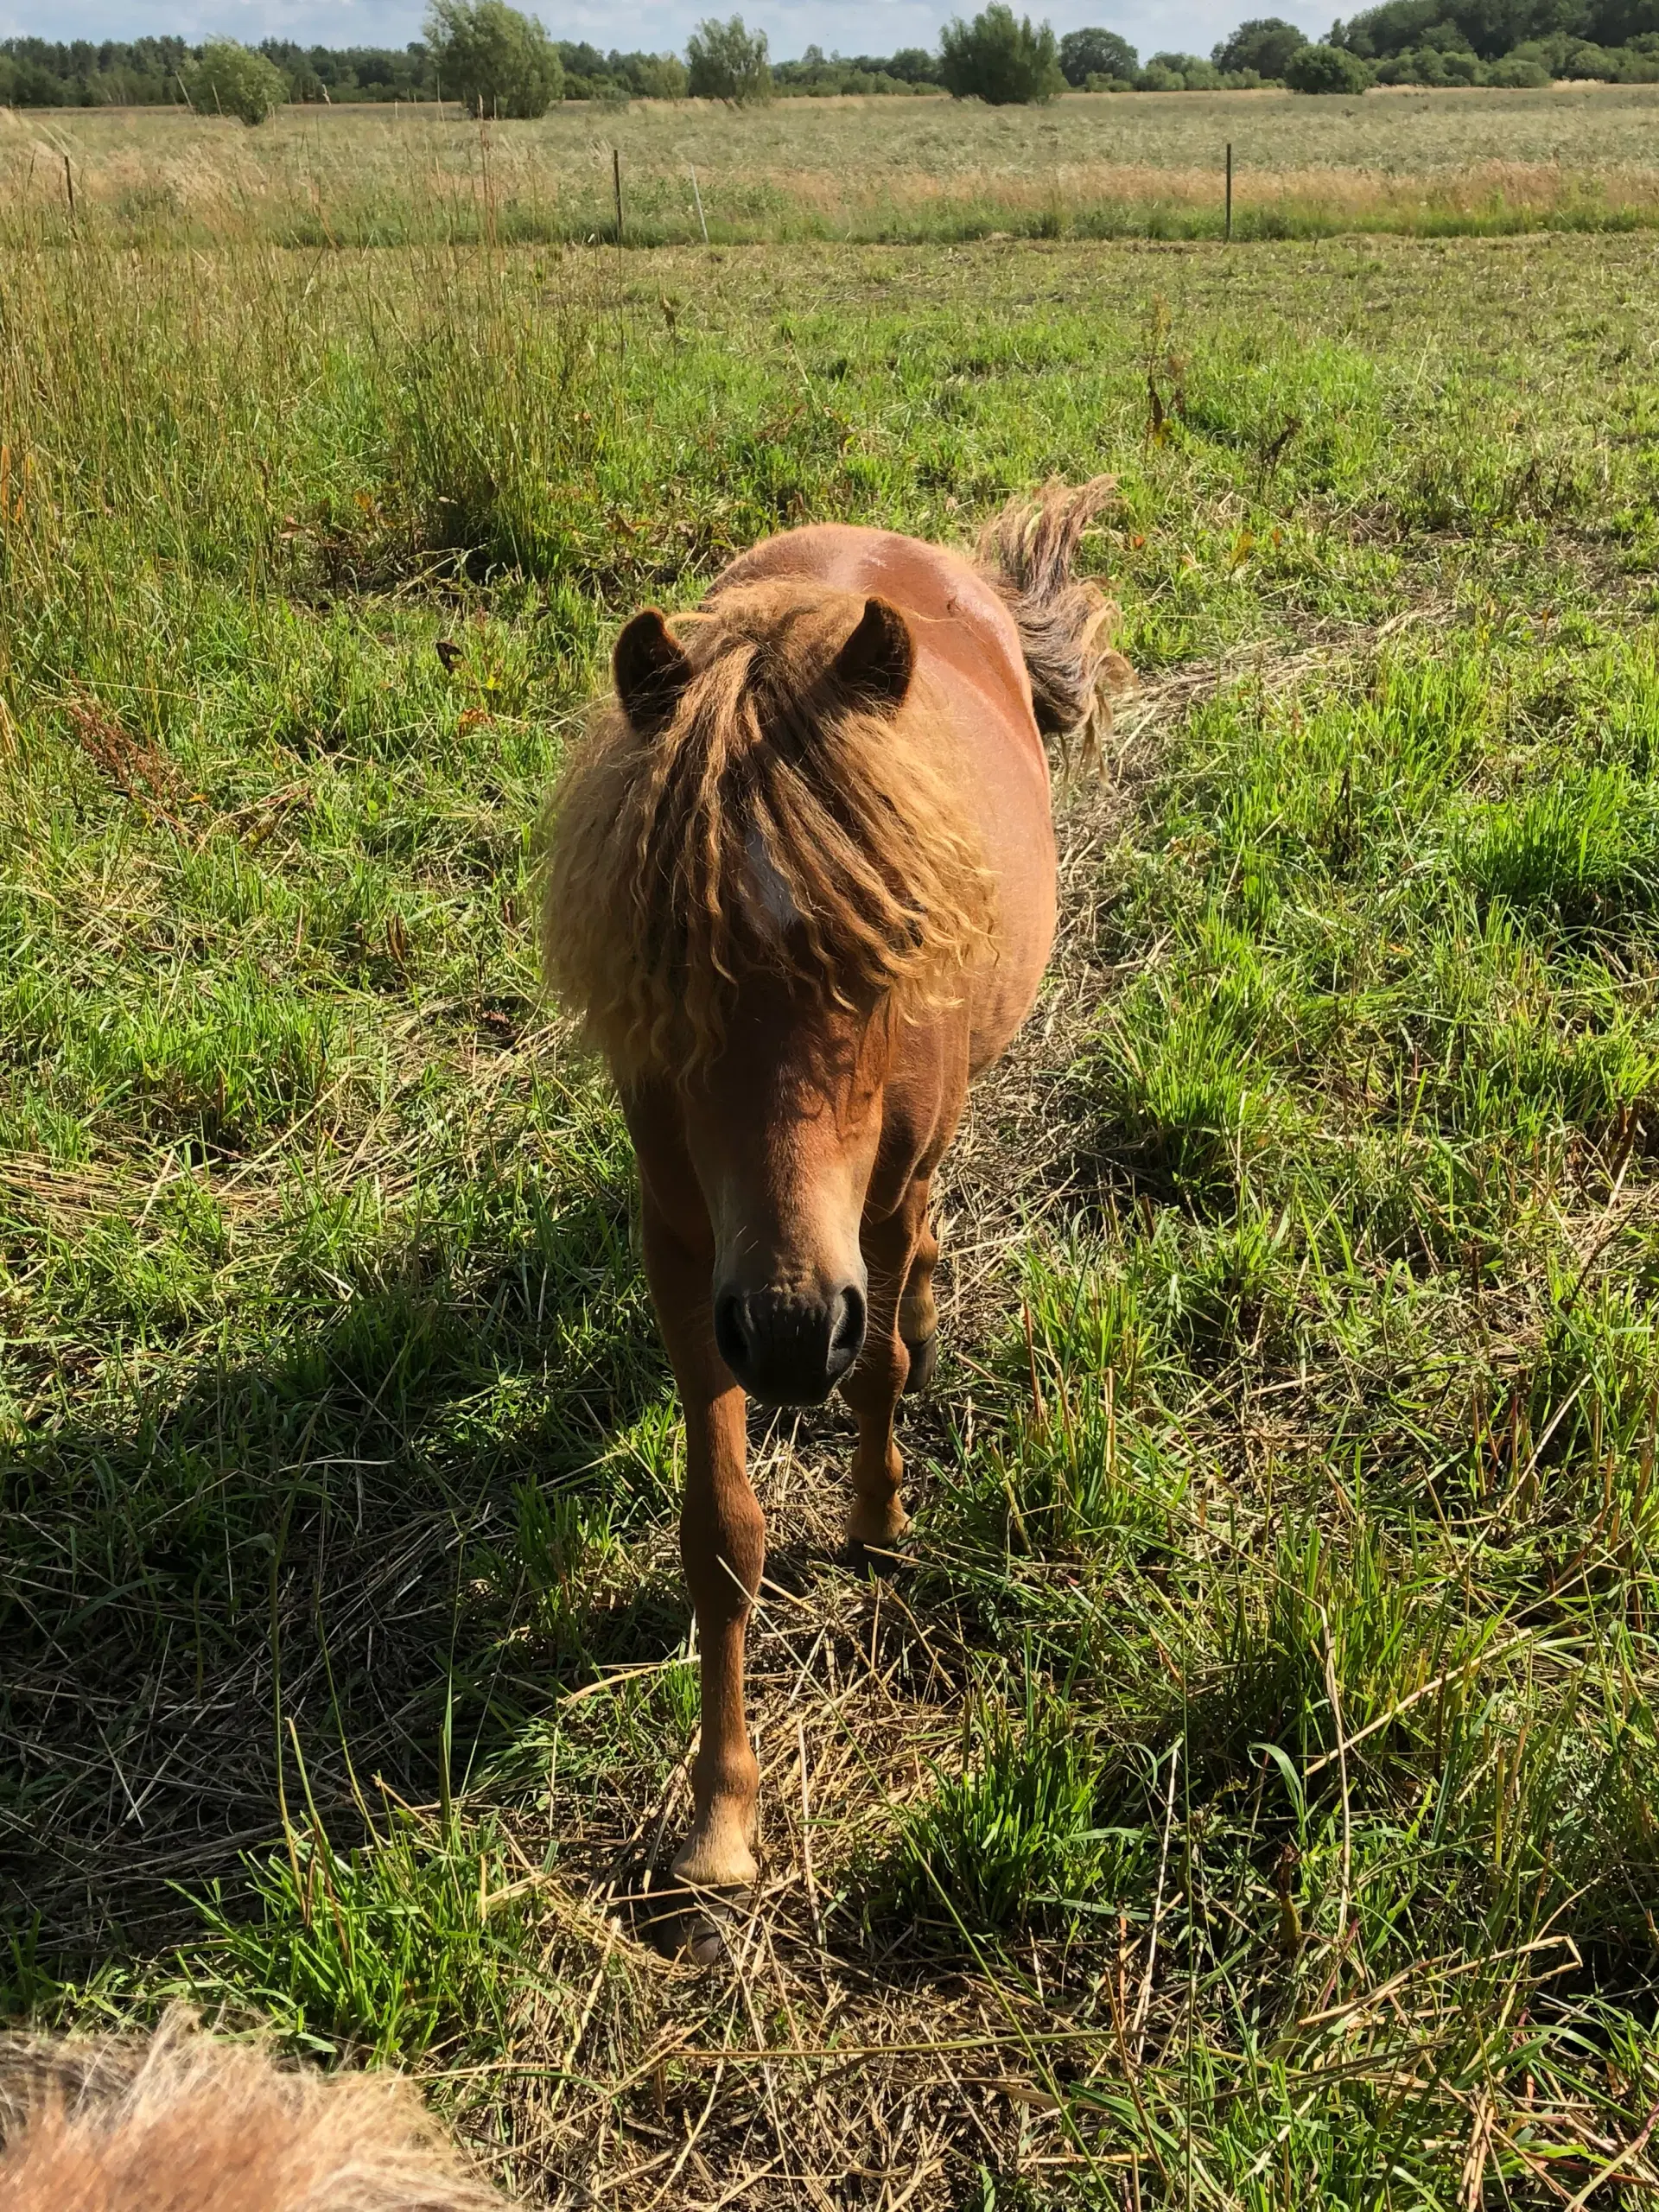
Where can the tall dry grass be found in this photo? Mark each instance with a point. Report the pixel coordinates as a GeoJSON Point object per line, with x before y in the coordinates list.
{"type": "Point", "coordinates": [252, 420]}
{"type": "Point", "coordinates": [1580, 157]}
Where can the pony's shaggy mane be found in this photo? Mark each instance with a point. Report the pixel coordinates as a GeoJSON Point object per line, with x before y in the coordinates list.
{"type": "Point", "coordinates": [187, 2123]}
{"type": "Point", "coordinates": [772, 786]}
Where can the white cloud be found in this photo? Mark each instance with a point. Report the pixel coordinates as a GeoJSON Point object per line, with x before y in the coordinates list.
{"type": "Point", "coordinates": [851, 26]}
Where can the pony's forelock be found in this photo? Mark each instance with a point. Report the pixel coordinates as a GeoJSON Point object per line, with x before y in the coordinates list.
{"type": "Point", "coordinates": [656, 911]}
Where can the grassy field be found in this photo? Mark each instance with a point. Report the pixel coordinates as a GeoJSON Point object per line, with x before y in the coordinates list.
{"type": "Point", "coordinates": [1579, 157]}
{"type": "Point", "coordinates": [1249, 1798]}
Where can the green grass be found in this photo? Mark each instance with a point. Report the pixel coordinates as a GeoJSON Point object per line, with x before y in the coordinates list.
{"type": "Point", "coordinates": [1250, 1796]}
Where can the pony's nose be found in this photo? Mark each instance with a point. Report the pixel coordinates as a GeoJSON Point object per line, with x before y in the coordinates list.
{"type": "Point", "coordinates": [788, 1348]}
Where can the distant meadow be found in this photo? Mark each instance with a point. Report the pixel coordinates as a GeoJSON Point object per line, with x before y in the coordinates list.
{"type": "Point", "coordinates": [874, 170]}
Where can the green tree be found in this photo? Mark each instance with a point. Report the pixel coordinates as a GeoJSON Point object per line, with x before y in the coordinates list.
{"type": "Point", "coordinates": [1095, 52]}
{"type": "Point", "coordinates": [1264, 44]}
{"type": "Point", "coordinates": [999, 59]}
{"type": "Point", "coordinates": [727, 61]}
{"type": "Point", "coordinates": [498, 61]}
{"type": "Point", "coordinates": [651, 76]}
{"type": "Point", "coordinates": [1326, 69]}
{"type": "Point", "coordinates": [1194, 74]}
{"type": "Point", "coordinates": [1491, 28]}
{"type": "Point", "coordinates": [226, 78]}
{"type": "Point", "coordinates": [914, 65]}
{"type": "Point", "coordinates": [25, 84]}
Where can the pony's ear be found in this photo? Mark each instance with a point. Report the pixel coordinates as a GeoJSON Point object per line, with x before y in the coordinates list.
{"type": "Point", "coordinates": [878, 660]}
{"type": "Point", "coordinates": [651, 670]}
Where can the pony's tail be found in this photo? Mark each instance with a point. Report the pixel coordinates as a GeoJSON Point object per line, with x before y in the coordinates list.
{"type": "Point", "coordinates": [1065, 622]}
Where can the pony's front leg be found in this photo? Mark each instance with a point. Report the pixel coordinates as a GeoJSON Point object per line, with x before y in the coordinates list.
{"type": "Point", "coordinates": [891, 1249]}
{"type": "Point", "coordinates": [918, 1315]}
{"type": "Point", "coordinates": [722, 1545]}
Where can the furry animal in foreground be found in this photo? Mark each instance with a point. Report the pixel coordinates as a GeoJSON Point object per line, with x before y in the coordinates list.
{"type": "Point", "coordinates": [185, 2122]}
{"type": "Point", "coordinates": [801, 887]}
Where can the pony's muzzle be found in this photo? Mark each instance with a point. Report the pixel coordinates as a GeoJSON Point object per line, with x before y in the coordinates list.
{"type": "Point", "coordinates": [787, 1348]}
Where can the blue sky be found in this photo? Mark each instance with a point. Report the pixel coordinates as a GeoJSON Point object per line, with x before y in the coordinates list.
{"type": "Point", "coordinates": [854, 26]}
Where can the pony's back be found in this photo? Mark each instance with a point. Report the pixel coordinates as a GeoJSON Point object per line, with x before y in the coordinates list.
{"type": "Point", "coordinates": [185, 2123]}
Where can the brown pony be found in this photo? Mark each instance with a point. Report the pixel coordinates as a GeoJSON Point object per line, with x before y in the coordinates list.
{"type": "Point", "coordinates": [801, 885]}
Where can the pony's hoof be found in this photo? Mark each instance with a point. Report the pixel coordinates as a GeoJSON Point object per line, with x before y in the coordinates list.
{"type": "Point", "coordinates": [707, 1940]}
{"type": "Point", "coordinates": [719, 1862]}
{"type": "Point", "coordinates": [698, 1926]}
{"type": "Point", "coordinates": [924, 1363]}
{"type": "Point", "coordinates": [875, 1562]}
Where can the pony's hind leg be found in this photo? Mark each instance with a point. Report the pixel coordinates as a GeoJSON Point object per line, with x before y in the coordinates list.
{"type": "Point", "coordinates": [891, 1248]}
{"type": "Point", "coordinates": [918, 1315]}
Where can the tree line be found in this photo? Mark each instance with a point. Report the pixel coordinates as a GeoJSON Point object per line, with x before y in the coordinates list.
{"type": "Point", "coordinates": [493, 59]}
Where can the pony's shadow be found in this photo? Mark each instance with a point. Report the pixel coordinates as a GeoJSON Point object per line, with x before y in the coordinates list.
{"type": "Point", "coordinates": [331, 1550]}
{"type": "Point", "coordinates": [322, 1575]}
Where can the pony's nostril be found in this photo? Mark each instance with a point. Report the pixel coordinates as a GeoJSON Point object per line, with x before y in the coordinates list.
{"type": "Point", "coordinates": [785, 1349]}
{"type": "Point", "coordinates": [845, 1329]}
{"type": "Point", "coordinates": [731, 1336]}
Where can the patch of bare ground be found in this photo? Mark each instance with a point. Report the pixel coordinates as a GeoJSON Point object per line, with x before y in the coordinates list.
{"type": "Point", "coordinates": [814, 2061]}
